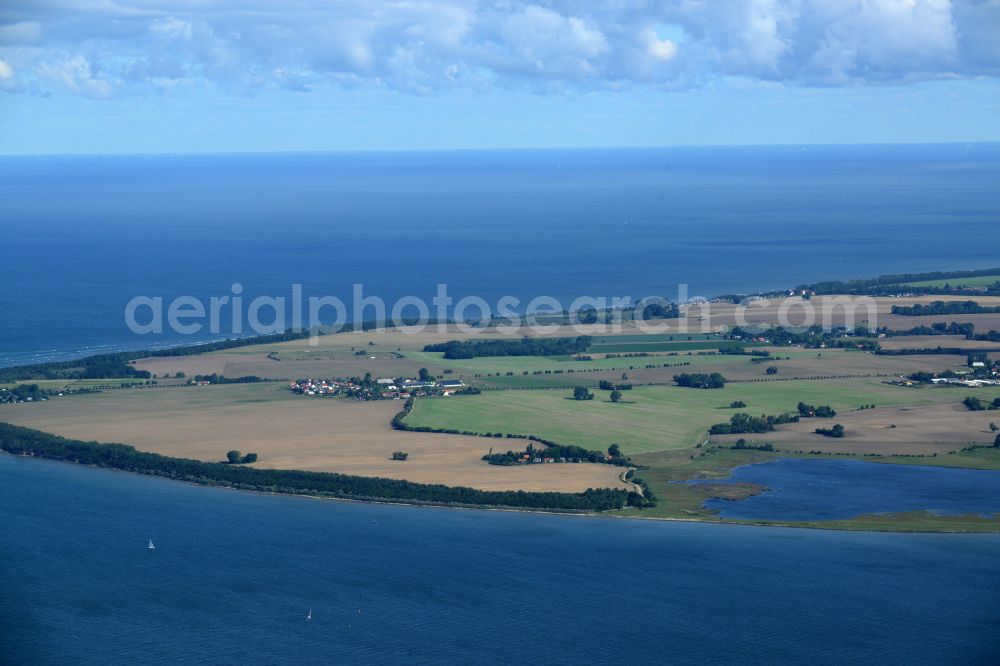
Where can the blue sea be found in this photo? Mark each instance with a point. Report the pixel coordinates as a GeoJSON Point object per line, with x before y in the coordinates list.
{"type": "Point", "coordinates": [234, 575]}
{"type": "Point", "coordinates": [81, 236]}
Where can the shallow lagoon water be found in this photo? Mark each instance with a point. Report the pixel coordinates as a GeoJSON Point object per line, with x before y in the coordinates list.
{"type": "Point", "coordinates": [234, 575]}
{"type": "Point", "coordinates": [830, 489]}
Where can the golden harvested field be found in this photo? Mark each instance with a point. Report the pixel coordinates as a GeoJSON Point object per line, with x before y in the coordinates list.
{"type": "Point", "coordinates": [919, 430]}
{"type": "Point", "coordinates": [292, 432]}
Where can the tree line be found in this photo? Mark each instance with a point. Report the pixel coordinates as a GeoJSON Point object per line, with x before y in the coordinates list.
{"type": "Point", "coordinates": [744, 423]}
{"type": "Point", "coordinates": [887, 285]}
{"type": "Point", "coordinates": [943, 308]}
{"type": "Point", "coordinates": [25, 441]}
{"type": "Point", "coordinates": [568, 452]}
{"type": "Point", "coordinates": [836, 431]}
{"type": "Point", "coordinates": [812, 337]}
{"type": "Point", "coordinates": [222, 379]}
{"type": "Point", "coordinates": [701, 380]}
{"type": "Point", "coordinates": [821, 412]}
{"type": "Point", "coordinates": [975, 404]}
{"type": "Point", "coordinates": [458, 349]}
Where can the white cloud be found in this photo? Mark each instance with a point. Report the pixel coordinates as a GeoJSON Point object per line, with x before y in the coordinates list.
{"type": "Point", "coordinates": [551, 45]}
{"type": "Point", "coordinates": [659, 49]}
{"type": "Point", "coordinates": [424, 45]}
{"type": "Point", "coordinates": [6, 73]}
{"type": "Point", "coordinates": [76, 75]}
{"type": "Point", "coordinates": [884, 39]}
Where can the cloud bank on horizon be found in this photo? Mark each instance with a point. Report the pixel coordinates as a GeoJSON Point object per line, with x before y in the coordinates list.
{"type": "Point", "coordinates": [116, 48]}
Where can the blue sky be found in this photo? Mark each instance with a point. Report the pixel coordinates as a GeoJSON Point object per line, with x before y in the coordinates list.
{"type": "Point", "coordinates": [113, 76]}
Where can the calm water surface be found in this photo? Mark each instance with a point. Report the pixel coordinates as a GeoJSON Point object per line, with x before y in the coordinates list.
{"type": "Point", "coordinates": [81, 236]}
{"type": "Point", "coordinates": [835, 489]}
{"type": "Point", "coordinates": [234, 575]}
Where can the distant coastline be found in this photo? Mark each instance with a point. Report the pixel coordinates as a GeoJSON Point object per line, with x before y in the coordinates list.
{"type": "Point", "coordinates": [525, 216]}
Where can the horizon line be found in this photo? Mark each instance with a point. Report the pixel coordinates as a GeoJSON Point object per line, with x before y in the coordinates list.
{"type": "Point", "coordinates": [342, 151]}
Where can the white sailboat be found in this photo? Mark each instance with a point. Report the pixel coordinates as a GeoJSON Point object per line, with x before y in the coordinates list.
{"type": "Point", "coordinates": [151, 546]}
{"type": "Point", "coordinates": [310, 616]}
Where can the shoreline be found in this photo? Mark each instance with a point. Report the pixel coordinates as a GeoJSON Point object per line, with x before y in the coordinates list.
{"type": "Point", "coordinates": [818, 525]}
{"type": "Point", "coordinates": [45, 357]}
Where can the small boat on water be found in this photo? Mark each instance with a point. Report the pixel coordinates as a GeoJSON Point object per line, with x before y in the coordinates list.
{"type": "Point", "coordinates": [310, 616]}
{"type": "Point", "coordinates": [151, 546]}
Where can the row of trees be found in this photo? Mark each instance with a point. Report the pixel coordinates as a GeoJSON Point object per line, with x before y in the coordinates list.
{"type": "Point", "coordinates": [836, 431]}
{"type": "Point", "coordinates": [821, 412]}
{"type": "Point", "coordinates": [567, 452]}
{"type": "Point", "coordinates": [744, 423]}
{"type": "Point", "coordinates": [222, 379]}
{"type": "Point", "coordinates": [944, 308]}
{"type": "Point", "coordinates": [25, 441]}
{"type": "Point", "coordinates": [812, 337]}
{"type": "Point", "coordinates": [937, 328]}
{"type": "Point", "coordinates": [701, 380]}
{"type": "Point", "coordinates": [605, 385]}
{"type": "Point", "coordinates": [893, 284]}
{"type": "Point", "coordinates": [975, 404]}
{"type": "Point", "coordinates": [458, 349]}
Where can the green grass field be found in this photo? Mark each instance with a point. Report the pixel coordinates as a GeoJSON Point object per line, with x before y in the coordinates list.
{"type": "Point", "coordinates": [648, 418]}
{"type": "Point", "coordinates": [538, 381]}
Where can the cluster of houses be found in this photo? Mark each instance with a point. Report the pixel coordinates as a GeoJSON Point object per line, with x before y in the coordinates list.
{"type": "Point", "coordinates": [385, 388]}
{"type": "Point", "coordinates": [318, 386]}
